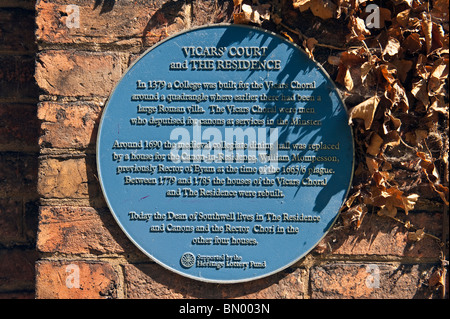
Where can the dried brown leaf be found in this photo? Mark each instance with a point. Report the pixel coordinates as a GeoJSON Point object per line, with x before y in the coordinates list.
{"type": "Point", "coordinates": [395, 122]}
{"type": "Point", "coordinates": [348, 203]}
{"type": "Point", "coordinates": [421, 135]}
{"type": "Point", "coordinates": [437, 78]}
{"type": "Point", "coordinates": [388, 72]}
{"type": "Point", "coordinates": [428, 167]}
{"type": "Point", "coordinates": [386, 198]}
{"type": "Point", "coordinates": [392, 47]}
{"type": "Point", "coordinates": [240, 18]}
{"type": "Point", "coordinates": [348, 81]}
{"type": "Point", "coordinates": [397, 95]}
{"type": "Point", "coordinates": [426, 162]}
{"type": "Point", "coordinates": [276, 18]}
{"type": "Point", "coordinates": [437, 278]}
{"type": "Point", "coordinates": [323, 9]}
{"type": "Point", "coordinates": [389, 211]}
{"type": "Point", "coordinates": [403, 18]}
{"type": "Point", "coordinates": [427, 29]}
{"type": "Point", "coordinates": [408, 2]}
{"type": "Point", "coordinates": [439, 105]}
{"type": "Point", "coordinates": [353, 57]}
{"type": "Point", "coordinates": [287, 36]}
{"type": "Point", "coordinates": [403, 67]}
{"type": "Point", "coordinates": [416, 236]}
{"type": "Point", "coordinates": [372, 164]}
{"type": "Point", "coordinates": [251, 14]}
{"type": "Point", "coordinates": [419, 90]}
{"type": "Point", "coordinates": [442, 191]}
{"type": "Point", "coordinates": [409, 202]}
{"type": "Point", "coordinates": [438, 37]}
{"type": "Point", "coordinates": [392, 139]}
{"type": "Point", "coordinates": [309, 45]}
{"type": "Point", "coordinates": [357, 28]}
{"type": "Point", "coordinates": [334, 60]}
{"type": "Point", "coordinates": [354, 215]}
{"type": "Point", "coordinates": [375, 145]}
{"type": "Point", "coordinates": [365, 111]}
{"type": "Point", "coordinates": [302, 5]}
{"type": "Point", "coordinates": [413, 43]}
{"type": "Point", "coordinates": [366, 68]}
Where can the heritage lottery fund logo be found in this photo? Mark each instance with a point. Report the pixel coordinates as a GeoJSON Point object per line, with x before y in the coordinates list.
{"type": "Point", "coordinates": [218, 262]}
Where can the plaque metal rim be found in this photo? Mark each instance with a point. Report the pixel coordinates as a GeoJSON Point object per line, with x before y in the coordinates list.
{"type": "Point", "coordinates": [165, 266]}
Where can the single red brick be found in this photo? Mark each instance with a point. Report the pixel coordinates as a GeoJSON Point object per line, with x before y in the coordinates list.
{"type": "Point", "coordinates": [18, 175]}
{"type": "Point", "coordinates": [19, 127]}
{"type": "Point", "coordinates": [63, 178]}
{"type": "Point", "coordinates": [76, 280]}
{"type": "Point", "coordinates": [17, 77]}
{"type": "Point", "coordinates": [68, 125]}
{"type": "Point", "coordinates": [70, 181]}
{"type": "Point", "coordinates": [11, 221]}
{"type": "Point", "coordinates": [76, 73]}
{"type": "Point", "coordinates": [17, 31]}
{"type": "Point", "coordinates": [17, 269]}
{"type": "Point", "coordinates": [79, 230]}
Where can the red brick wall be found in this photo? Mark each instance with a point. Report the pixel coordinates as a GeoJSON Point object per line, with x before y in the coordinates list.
{"type": "Point", "coordinates": [82, 253]}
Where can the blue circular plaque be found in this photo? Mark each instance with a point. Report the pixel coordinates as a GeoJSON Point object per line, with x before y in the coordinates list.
{"type": "Point", "coordinates": [224, 153]}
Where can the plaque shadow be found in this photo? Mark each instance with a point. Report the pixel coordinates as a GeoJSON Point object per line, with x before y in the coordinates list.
{"type": "Point", "coordinates": [166, 284]}
{"type": "Point", "coordinates": [289, 73]}
{"type": "Point", "coordinates": [167, 12]}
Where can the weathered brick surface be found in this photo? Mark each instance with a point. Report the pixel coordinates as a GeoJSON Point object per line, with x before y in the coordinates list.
{"type": "Point", "coordinates": [70, 178]}
{"type": "Point", "coordinates": [19, 128]}
{"type": "Point", "coordinates": [19, 132]}
{"type": "Point", "coordinates": [144, 281]}
{"type": "Point", "coordinates": [76, 73]}
{"type": "Point", "coordinates": [371, 281]}
{"type": "Point", "coordinates": [171, 17]}
{"type": "Point", "coordinates": [69, 125]}
{"type": "Point", "coordinates": [25, 4]}
{"type": "Point", "coordinates": [111, 22]}
{"type": "Point", "coordinates": [381, 236]}
{"type": "Point", "coordinates": [18, 174]}
{"type": "Point", "coordinates": [13, 39]}
{"type": "Point", "coordinates": [17, 270]}
{"type": "Point", "coordinates": [80, 230]}
{"type": "Point", "coordinates": [17, 77]}
{"type": "Point", "coordinates": [18, 221]}
{"type": "Point", "coordinates": [76, 280]}
{"type": "Point", "coordinates": [18, 295]}
{"type": "Point", "coordinates": [62, 178]}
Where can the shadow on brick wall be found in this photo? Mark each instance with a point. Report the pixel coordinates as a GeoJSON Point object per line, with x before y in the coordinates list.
{"type": "Point", "coordinates": [19, 132]}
